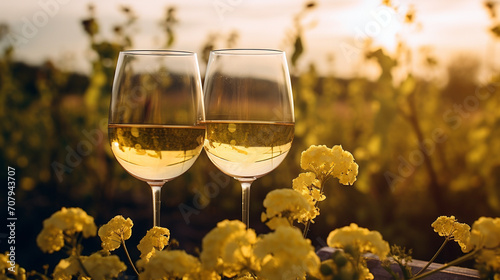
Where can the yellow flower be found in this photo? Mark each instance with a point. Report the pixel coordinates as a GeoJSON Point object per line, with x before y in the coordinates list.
{"type": "Point", "coordinates": [227, 249]}
{"type": "Point", "coordinates": [286, 203]}
{"type": "Point", "coordinates": [50, 239]}
{"type": "Point", "coordinates": [304, 181]}
{"type": "Point", "coordinates": [449, 227]}
{"type": "Point", "coordinates": [345, 169]}
{"type": "Point", "coordinates": [103, 267]}
{"type": "Point", "coordinates": [4, 261]}
{"type": "Point", "coordinates": [361, 238]}
{"type": "Point", "coordinates": [310, 188]}
{"type": "Point", "coordinates": [348, 173]}
{"type": "Point", "coordinates": [66, 269]}
{"type": "Point", "coordinates": [285, 254]}
{"type": "Point", "coordinates": [66, 221]}
{"type": "Point", "coordinates": [156, 239]}
{"type": "Point", "coordinates": [6, 269]}
{"type": "Point", "coordinates": [172, 264]}
{"type": "Point", "coordinates": [115, 232]}
{"type": "Point", "coordinates": [318, 159]}
{"type": "Point", "coordinates": [485, 233]}
{"type": "Point", "coordinates": [444, 226]}
{"type": "Point", "coordinates": [325, 163]}
{"type": "Point", "coordinates": [489, 260]}
{"type": "Point", "coordinates": [307, 185]}
{"type": "Point", "coordinates": [276, 221]}
{"type": "Point", "coordinates": [20, 273]}
{"type": "Point", "coordinates": [72, 220]}
{"type": "Point", "coordinates": [98, 267]}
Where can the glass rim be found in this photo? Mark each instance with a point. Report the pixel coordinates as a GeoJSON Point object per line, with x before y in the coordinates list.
{"type": "Point", "coordinates": [249, 51]}
{"type": "Point", "coordinates": [158, 52]}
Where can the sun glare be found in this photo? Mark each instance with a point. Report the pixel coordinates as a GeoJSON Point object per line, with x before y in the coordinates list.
{"type": "Point", "coordinates": [386, 24]}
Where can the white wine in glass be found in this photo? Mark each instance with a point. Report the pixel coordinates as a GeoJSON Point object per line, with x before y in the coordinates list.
{"type": "Point", "coordinates": [249, 114]}
{"type": "Point", "coordinates": [248, 149]}
{"type": "Point", "coordinates": [167, 157]}
{"type": "Point", "coordinates": [155, 114]}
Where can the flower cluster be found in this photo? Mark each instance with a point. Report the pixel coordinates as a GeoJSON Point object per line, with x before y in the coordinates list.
{"type": "Point", "coordinates": [232, 251]}
{"type": "Point", "coordinates": [484, 243]}
{"type": "Point", "coordinates": [63, 229]}
{"type": "Point", "coordinates": [309, 187]}
{"type": "Point", "coordinates": [64, 223]}
{"type": "Point", "coordinates": [364, 240]}
{"type": "Point", "coordinates": [284, 206]}
{"type": "Point", "coordinates": [156, 239]}
{"type": "Point", "coordinates": [228, 249]}
{"type": "Point", "coordinates": [285, 254]}
{"type": "Point", "coordinates": [485, 234]}
{"type": "Point", "coordinates": [320, 164]}
{"type": "Point", "coordinates": [450, 228]}
{"type": "Point", "coordinates": [7, 268]}
{"type": "Point", "coordinates": [95, 266]}
{"type": "Point", "coordinates": [172, 264]}
{"type": "Point", "coordinates": [115, 232]}
{"type": "Point", "coordinates": [355, 241]}
{"type": "Point", "coordinates": [326, 162]}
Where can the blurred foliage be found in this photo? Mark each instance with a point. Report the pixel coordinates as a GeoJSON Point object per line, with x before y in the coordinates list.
{"type": "Point", "coordinates": [296, 34]}
{"type": "Point", "coordinates": [425, 148]}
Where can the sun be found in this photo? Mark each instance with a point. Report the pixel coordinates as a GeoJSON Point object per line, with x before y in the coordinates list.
{"type": "Point", "coordinates": [387, 25]}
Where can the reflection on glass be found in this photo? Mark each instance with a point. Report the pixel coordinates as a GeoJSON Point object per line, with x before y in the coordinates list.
{"type": "Point", "coordinates": [155, 114]}
{"type": "Point", "coordinates": [249, 114]}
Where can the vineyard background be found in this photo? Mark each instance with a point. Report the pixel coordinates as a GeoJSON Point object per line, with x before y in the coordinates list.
{"type": "Point", "coordinates": [426, 146]}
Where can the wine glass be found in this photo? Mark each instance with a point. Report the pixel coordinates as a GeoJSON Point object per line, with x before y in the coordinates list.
{"type": "Point", "coordinates": [249, 114]}
{"type": "Point", "coordinates": [155, 113]}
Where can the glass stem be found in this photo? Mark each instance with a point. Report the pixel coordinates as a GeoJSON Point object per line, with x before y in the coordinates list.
{"type": "Point", "coordinates": [156, 191]}
{"type": "Point", "coordinates": [245, 201]}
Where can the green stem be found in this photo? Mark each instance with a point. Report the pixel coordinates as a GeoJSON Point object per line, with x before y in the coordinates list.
{"type": "Point", "coordinates": [128, 256]}
{"type": "Point", "coordinates": [76, 251]}
{"type": "Point", "coordinates": [85, 271]}
{"type": "Point", "coordinates": [452, 263]}
{"type": "Point", "coordinates": [433, 257]}
{"type": "Point", "coordinates": [306, 229]}
{"type": "Point", "coordinates": [308, 223]}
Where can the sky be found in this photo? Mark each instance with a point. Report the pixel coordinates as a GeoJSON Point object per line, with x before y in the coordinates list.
{"type": "Point", "coordinates": [51, 29]}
